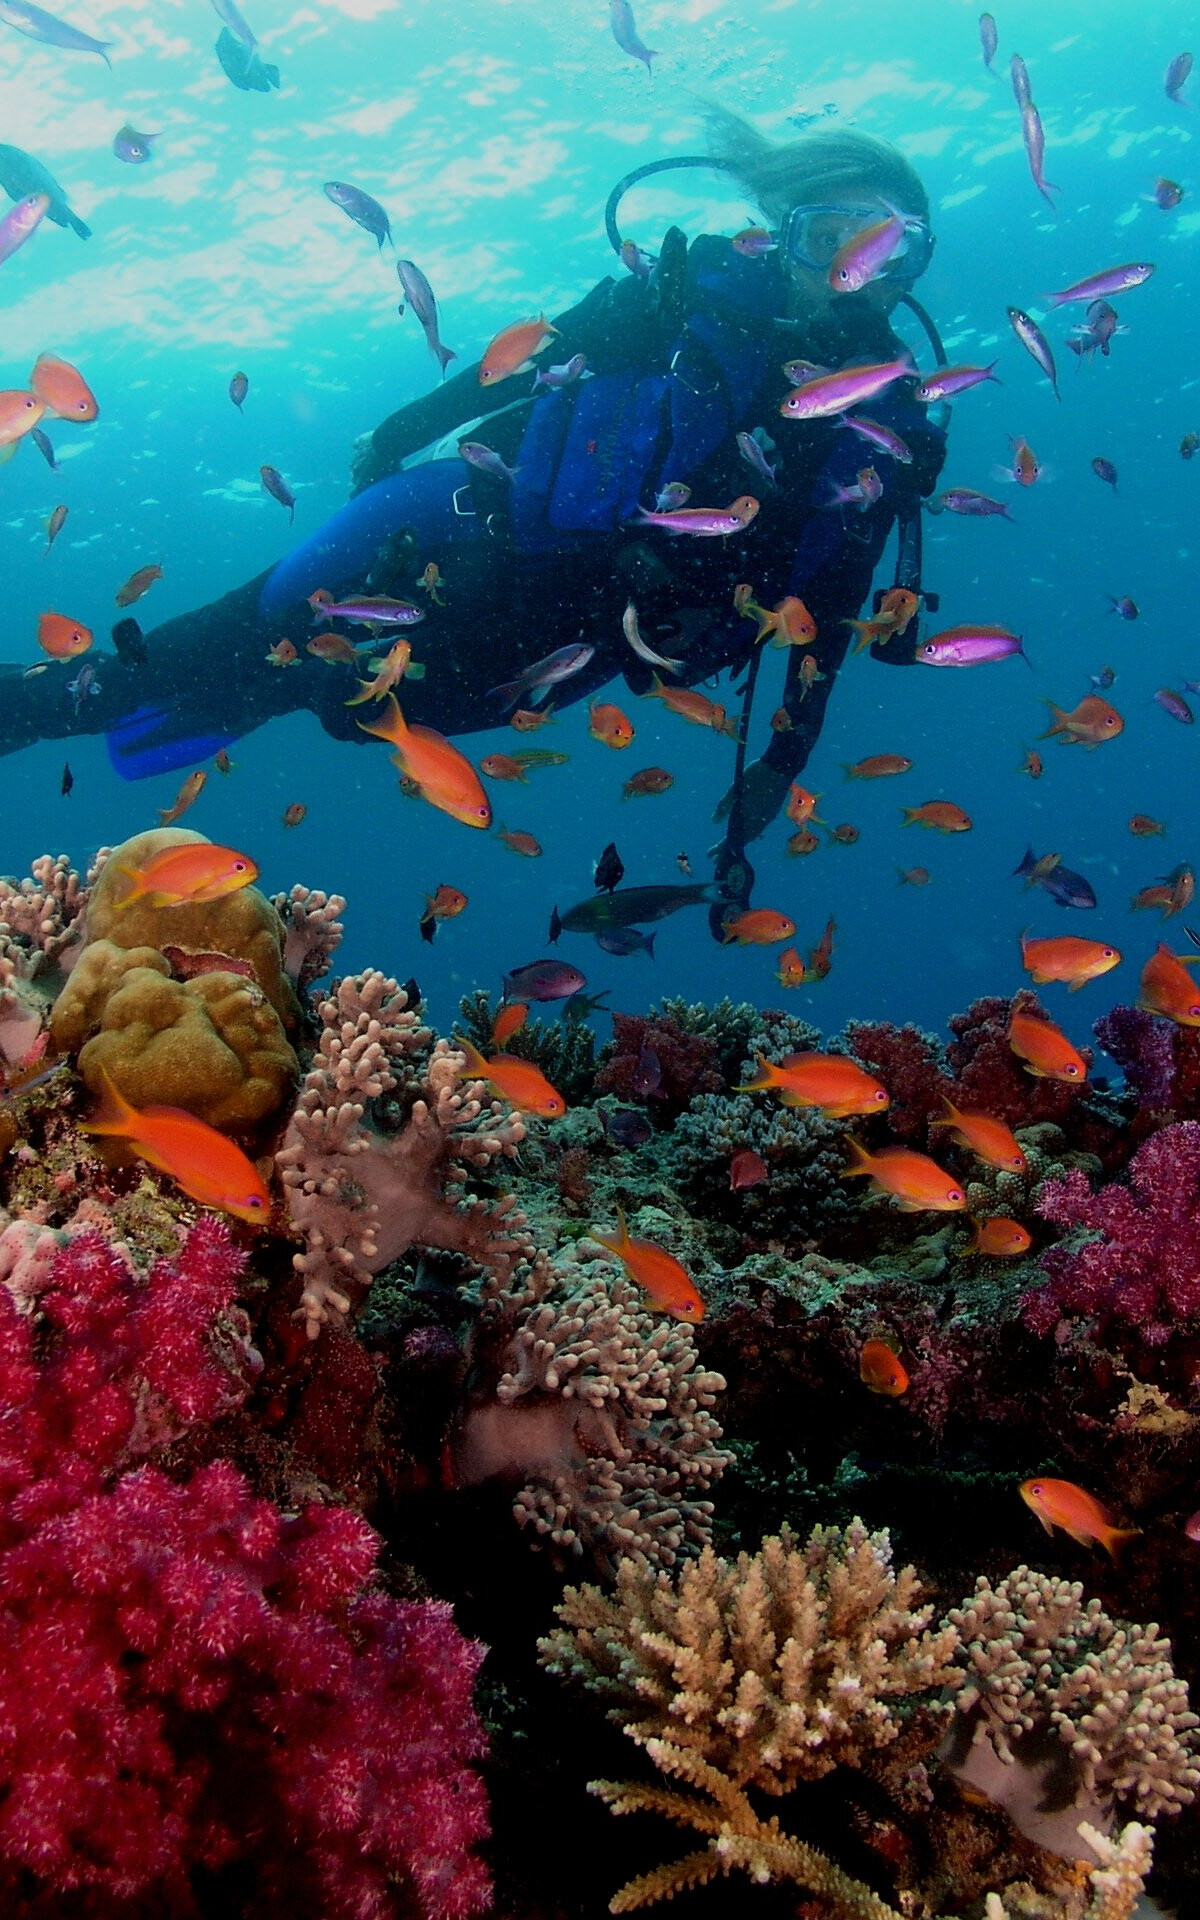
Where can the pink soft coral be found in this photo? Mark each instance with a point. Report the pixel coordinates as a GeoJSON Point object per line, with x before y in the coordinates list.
{"type": "Point", "coordinates": [1141, 1276]}
{"type": "Point", "coordinates": [193, 1684]}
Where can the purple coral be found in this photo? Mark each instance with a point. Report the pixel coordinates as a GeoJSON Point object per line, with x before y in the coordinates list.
{"type": "Point", "coordinates": [1141, 1275]}
{"type": "Point", "coordinates": [1143, 1048]}
{"type": "Point", "coordinates": [193, 1683]}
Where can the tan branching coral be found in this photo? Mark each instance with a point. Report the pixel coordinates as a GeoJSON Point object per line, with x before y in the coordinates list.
{"type": "Point", "coordinates": [314, 930]}
{"type": "Point", "coordinates": [1065, 1711]}
{"type": "Point", "coordinates": [601, 1408]}
{"type": "Point", "coordinates": [361, 1195]}
{"type": "Point", "coordinates": [41, 921]}
{"type": "Point", "coordinates": [1113, 1890]}
{"type": "Point", "coordinates": [755, 1674]}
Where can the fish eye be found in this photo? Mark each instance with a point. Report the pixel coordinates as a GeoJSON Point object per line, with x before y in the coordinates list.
{"type": "Point", "coordinates": [1072, 1068]}
{"type": "Point", "coordinates": [1037, 1487]}
{"type": "Point", "coordinates": [239, 866]}
{"type": "Point", "coordinates": [253, 1200]}
{"type": "Point", "coordinates": [956, 1193]}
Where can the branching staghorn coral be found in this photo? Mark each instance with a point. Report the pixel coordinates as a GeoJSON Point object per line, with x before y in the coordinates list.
{"type": "Point", "coordinates": [359, 1195]}
{"type": "Point", "coordinates": [755, 1674]}
{"type": "Point", "coordinates": [601, 1408]}
{"type": "Point", "coordinates": [1113, 1888]}
{"type": "Point", "coordinates": [1060, 1696]}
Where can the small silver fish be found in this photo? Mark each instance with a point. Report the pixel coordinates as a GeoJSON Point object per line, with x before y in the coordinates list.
{"type": "Point", "coordinates": [39, 25]}
{"type": "Point", "coordinates": [362, 209]}
{"type": "Point", "coordinates": [278, 488]}
{"type": "Point", "coordinates": [227, 13]}
{"type": "Point", "coordinates": [755, 458]}
{"type": "Point", "coordinates": [670, 498]}
{"type": "Point", "coordinates": [629, 626]}
{"type": "Point", "coordinates": [420, 297]}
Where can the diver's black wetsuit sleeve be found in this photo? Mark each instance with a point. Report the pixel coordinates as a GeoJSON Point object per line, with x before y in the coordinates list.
{"type": "Point", "coordinates": [613, 324]}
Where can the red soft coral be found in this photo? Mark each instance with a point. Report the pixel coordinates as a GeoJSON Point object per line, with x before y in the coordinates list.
{"type": "Point", "coordinates": [192, 1683]}
{"type": "Point", "coordinates": [687, 1063]}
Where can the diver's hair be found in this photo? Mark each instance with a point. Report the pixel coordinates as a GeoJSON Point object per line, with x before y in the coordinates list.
{"type": "Point", "coordinates": [820, 166]}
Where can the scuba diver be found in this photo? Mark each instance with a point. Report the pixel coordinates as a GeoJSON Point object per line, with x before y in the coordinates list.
{"type": "Point", "coordinates": [682, 355]}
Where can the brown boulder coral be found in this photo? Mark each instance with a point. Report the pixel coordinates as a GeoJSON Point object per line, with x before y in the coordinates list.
{"type": "Point", "coordinates": [183, 1006]}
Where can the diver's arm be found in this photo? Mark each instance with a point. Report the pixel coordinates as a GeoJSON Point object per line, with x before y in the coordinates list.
{"type": "Point", "coordinates": [607, 324]}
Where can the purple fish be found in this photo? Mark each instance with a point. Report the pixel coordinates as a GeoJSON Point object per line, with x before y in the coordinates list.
{"type": "Point", "coordinates": [543, 980]}
{"type": "Point", "coordinates": [1127, 608]}
{"type": "Point", "coordinates": [1167, 194]}
{"type": "Point", "coordinates": [646, 1078]}
{"type": "Point", "coordinates": [989, 39]}
{"type": "Point", "coordinates": [842, 391]}
{"type": "Point", "coordinates": [1066, 889]}
{"type": "Point", "coordinates": [556, 666]}
{"type": "Point", "coordinates": [239, 387]}
{"type": "Point", "coordinates": [1035, 151]}
{"type": "Point", "coordinates": [377, 611]}
{"type": "Point", "coordinates": [84, 683]}
{"type": "Point", "coordinates": [972, 505]}
{"type": "Point", "coordinates": [230, 17]}
{"type": "Point", "coordinates": [1102, 681]}
{"type": "Point", "coordinates": [947, 382]}
{"type": "Point", "coordinates": [697, 520]}
{"type": "Point", "coordinates": [625, 33]}
{"type": "Point", "coordinates": [21, 221]}
{"type": "Point", "coordinates": [626, 1127]}
{"type": "Point", "coordinates": [362, 209]}
{"type": "Point", "coordinates": [486, 459]}
{"type": "Point", "coordinates": [1098, 285]}
{"type": "Point", "coordinates": [969, 647]}
{"type": "Point", "coordinates": [564, 376]}
{"type": "Point", "coordinates": [1020, 81]}
{"type": "Point", "coordinates": [863, 493]}
{"type": "Point", "coordinates": [419, 294]}
{"type": "Point", "coordinates": [879, 436]}
{"type": "Point", "coordinates": [1105, 470]}
{"type": "Point", "coordinates": [755, 458]}
{"type": "Point", "coordinates": [864, 256]}
{"type": "Point", "coordinates": [1035, 344]}
{"type": "Point", "coordinates": [278, 488]}
{"type": "Point", "coordinates": [1176, 76]}
{"type": "Point", "coordinates": [52, 32]}
{"type": "Point", "coordinates": [1175, 704]}
{"type": "Point", "coordinates": [133, 147]}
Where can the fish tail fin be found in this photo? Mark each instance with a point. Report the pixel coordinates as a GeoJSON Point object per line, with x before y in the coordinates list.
{"type": "Point", "coordinates": [392, 728]}
{"type": "Point", "coordinates": [78, 226]}
{"type": "Point", "coordinates": [506, 692]}
{"type": "Point", "coordinates": [767, 1076]}
{"type": "Point", "coordinates": [364, 693]}
{"type": "Point", "coordinates": [862, 1162]}
{"type": "Point", "coordinates": [1114, 1539]}
{"type": "Point", "coordinates": [139, 890]}
{"type": "Point", "coordinates": [616, 1243]}
{"type": "Point", "coordinates": [475, 1067]}
{"type": "Point", "coordinates": [951, 1117]}
{"type": "Point", "coordinates": [1058, 723]}
{"type": "Point", "coordinates": [444, 356]}
{"type": "Point", "coordinates": [652, 937]}
{"type": "Point", "coordinates": [910, 814]}
{"type": "Point", "coordinates": [113, 1116]}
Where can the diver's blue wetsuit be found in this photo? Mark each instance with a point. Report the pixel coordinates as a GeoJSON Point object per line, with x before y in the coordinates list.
{"type": "Point", "coordinates": [555, 557]}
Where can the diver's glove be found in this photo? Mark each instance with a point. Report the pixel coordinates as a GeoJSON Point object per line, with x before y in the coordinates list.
{"type": "Point", "coordinates": [764, 790]}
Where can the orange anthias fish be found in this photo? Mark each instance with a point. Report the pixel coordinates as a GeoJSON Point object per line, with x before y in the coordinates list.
{"type": "Point", "coordinates": [1171, 895]}
{"type": "Point", "coordinates": [609, 725]}
{"type": "Point", "coordinates": [759, 927]}
{"type": "Point", "coordinates": [821, 958]}
{"type": "Point", "coordinates": [395, 664]}
{"type": "Point", "coordinates": [1031, 764]}
{"type": "Point", "coordinates": [999, 1238]}
{"type": "Point", "coordinates": [658, 1273]}
{"type": "Point", "coordinates": [431, 579]}
{"type": "Point", "coordinates": [801, 806]}
{"type": "Point", "coordinates": [502, 766]}
{"type": "Point", "coordinates": [989, 1139]}
{"type": "Point", "coordinates": [790, 971]}
{"type": "Point", "coordinates": [188, 794]}
{"type": "Point", "coordinates": [913, 1179]}
{"type": "Point", "coordinates": [1089, 724]}
{"type": "Point", "coordinates": [209, 1168]}
{"type": "Point", "coordinates": [523, 1085]}
{"type": "Point", "coordinates": [900, 603]}
{"type": "Point", "coordinates": [138, 584]}
{"type": "Point", "coordinates": [1168, 988]}
{"type": "Point", "coordinates": [1069, 958]}
{"type": "Point", "coordinates": [942, 815]}
{"type": "Point", "coordinates": [333, 647]}
{"type": "Point", "coordinates": [61, 638]}
{"type": "Point", "coordinates": [839, 1086]}
{"type": "Point", "coordinates": [445, 776]}
{"type": "Point", "coordinates": [446, 904]}
{"type": "Point", "coordinates": [865, 632]}
{"type": "Point", "coordinates": [877, 766]}
{"type": "Point", "coordinates": [19, 414]}
{"type": "Point", "coordinates": [1044, 1050]}
{"type": "Point", "coordinates": [508, 1021]}
{"type": "Point", "coordinates": [693, 706]}
{"type": "Point", "coordinates": [1142, 826]}
{"type": "Point", "coordinates": [519, 842]}
{"type": "Point", "coordinates": [792, 625]}
{"type": "Point", "coordinates": [282, 654]}
{"type": "Point", "coordinates": [529, 719]}
{"type": "Point", "coordinates": [881, 1369]}
{"type": "Point", "coordinates": [188, 875]}
{"type": "Point", "coordinates": [62, 389]}
{"type": "Point", "coordinates": [1025, 469]}
{"type": "Point", "coordinates": [513, 349]}
{"type": "Point", "coordinates": [1060, 1503]}
{"type": "Point", "coordinates": [805, 841]}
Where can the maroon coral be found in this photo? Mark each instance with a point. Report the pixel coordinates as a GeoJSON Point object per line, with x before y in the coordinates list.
{"type": "Point", "coordinates": [911, 1067]}
{"type": "Point", "coordinates": [191, 1682]}
{"type": "Point", "coordinates": [987, 1073]}
{"type": "Point", "coordinates": [1141, 1276]}
{"type": "Point", "coordinates": [690, 1063]}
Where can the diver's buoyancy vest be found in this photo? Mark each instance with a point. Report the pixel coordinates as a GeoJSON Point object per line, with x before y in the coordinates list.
{"type": "Point", "coordinates": [593, 453]}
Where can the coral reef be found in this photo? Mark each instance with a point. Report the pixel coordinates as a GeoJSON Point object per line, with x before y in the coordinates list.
{"type": "Point", "coordinates": [597, 1410]}
{"type": "Point", "coordinates": [312, 933]}
{"type": "Point", "coordinates": [656, 1058]}
{"type": "Point", "coordinates": [177, 1650]}
{"type": "Point", "coordinates": [564, 1049]}
{"type": "Point", "coordinates": [40, 926]}
{"type": "Point", "coordinates": [361, 1188]}
{"type": "Point", "coordinates": [185, 1006]}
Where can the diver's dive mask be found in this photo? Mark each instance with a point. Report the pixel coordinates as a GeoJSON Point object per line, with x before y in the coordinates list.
{"type": "Point", "coordinates": [813, 236]}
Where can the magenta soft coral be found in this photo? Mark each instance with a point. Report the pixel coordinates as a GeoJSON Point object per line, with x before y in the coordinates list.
{"type": "Point", "coordinates": [193, 1684]}
{"type": "Point", "coordinates": [1141, 1277]}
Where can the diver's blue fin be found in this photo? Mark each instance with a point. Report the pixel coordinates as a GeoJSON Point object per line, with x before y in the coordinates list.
{"type": "Point", "coordinates": [143, 744]}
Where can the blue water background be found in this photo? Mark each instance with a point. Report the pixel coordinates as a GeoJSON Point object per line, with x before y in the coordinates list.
{"type": "Point", "coordinates": [492, 133]}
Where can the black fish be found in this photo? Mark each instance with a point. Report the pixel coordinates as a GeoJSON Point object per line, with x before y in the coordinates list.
{"type": "Point", "coordinates": [413, 992]}
{"type": "Point", "coordinates": [634, 905]}
{"type": "Point", "coordinates": [21, 175]}
{"type": "Point", "coordinates": [581, 1006]}
{"type": "Point", "coordinates": [243, 66]}
{"type": "Point", "coordinates": [1066, 888]}
{"type": "Point", "coordinates": [42, 442]}
{"type": "Point", "coordinates": [626, 1127]}
{"type": "Point", "coordinates": [68, 780]}
{"type": "Point", "coordinates": [555, 927]}
{"type": "Point", "coordinates": [609, 870]}
{"type": "Point", "coordinates": [428, 926]}
{"type": "Point", "coordinates": [129, 641]}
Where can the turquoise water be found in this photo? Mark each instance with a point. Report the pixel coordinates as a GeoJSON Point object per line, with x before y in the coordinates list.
{"type": "Point", "coordinates": [492, 134]}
